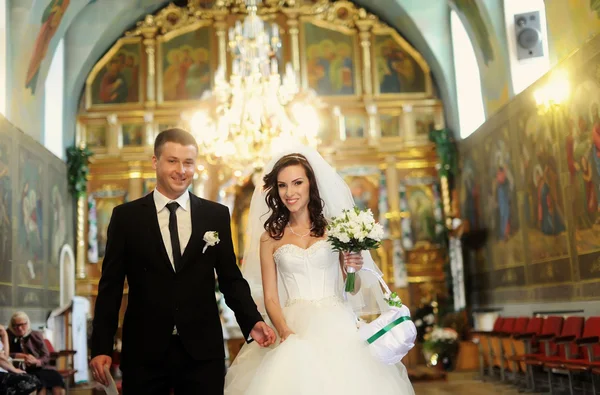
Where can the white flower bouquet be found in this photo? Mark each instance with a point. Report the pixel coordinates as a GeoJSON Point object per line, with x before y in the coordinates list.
{"type": "Point", "coordinates": [354, 231]}
{"type": "Point", "coordinates": [441, 340]}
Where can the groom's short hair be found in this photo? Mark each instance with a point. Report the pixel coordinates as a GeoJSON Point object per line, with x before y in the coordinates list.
{"type": "Point", "coordinates": [173, 135]}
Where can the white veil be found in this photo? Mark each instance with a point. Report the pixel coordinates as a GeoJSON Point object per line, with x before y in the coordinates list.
{"type": "Point", "coordinates": [336, 196]}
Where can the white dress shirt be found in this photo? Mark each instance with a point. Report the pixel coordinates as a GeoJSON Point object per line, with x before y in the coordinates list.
{"type": "Point", "coordinates": [184, 221]}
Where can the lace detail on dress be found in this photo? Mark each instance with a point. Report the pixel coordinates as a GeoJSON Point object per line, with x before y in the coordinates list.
{"type": "Point", "coordinates": [297, 250]}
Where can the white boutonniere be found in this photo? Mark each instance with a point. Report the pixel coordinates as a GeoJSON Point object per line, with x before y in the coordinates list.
{"type": "Point", "coordinates": [211, 238]}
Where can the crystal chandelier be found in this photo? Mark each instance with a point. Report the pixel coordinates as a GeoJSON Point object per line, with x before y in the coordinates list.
{"type": "Point", "coordinates": [255, 110]}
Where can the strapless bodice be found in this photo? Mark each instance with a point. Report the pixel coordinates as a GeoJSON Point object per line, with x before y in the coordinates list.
{"type": "Point", "coordinates": [309, 274]}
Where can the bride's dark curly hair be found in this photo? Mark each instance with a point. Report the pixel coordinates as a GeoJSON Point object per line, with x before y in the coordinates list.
{"type": "Point", "coordinates": [280, 215]}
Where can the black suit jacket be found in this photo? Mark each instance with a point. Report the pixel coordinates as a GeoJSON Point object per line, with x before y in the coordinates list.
{"type": "Point", "coordinates": [158, 297]}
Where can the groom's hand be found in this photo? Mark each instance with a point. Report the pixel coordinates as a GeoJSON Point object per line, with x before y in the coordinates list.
{"type": "Point", "coordinates": [263, 334]}
{"type": "Point", "coordinates": [97, 366]}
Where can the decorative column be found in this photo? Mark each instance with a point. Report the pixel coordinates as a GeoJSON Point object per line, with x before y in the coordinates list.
{"type": "Point", "coordinates": [399, 275]}
{"type": "Point", "coordinates": [136, 183]}
{"type": "Point", "coordinates": [81, 251]}
{"type": "Point", "coordinates": [221, 28]}
{"type": "Point", "coordinates": [199, 183]}
{"type": "Point", "coordinates": [392, 182]}
{"type": "Point", "coordinates": [447, 171]}
{"type": "Point", "coordinates": [447, 168]}
{"type": "Point", "coordinates": [113, 137]}
{"type": "Point", "coordinates": [150, 129]}
{"type": "Point", "coordinates": [408, 127]}
{"type": "Point", "coordinates": [340, 123]}
{"type": "Point", "coordinates": [214, 177]}
{"type": "Point", "coordinates": [374, 131]}
{"type": "Point", "coordinates": [78, 165]}
{"type": "Point", "coordinates": [364, 27]}
{"type": "Point", "coordinates": [294, 31]}
{"type": "Point", "coordinates": [149, 31]}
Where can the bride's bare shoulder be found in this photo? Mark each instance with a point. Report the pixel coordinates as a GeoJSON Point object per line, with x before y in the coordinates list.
{"type": "Point", "coordinates": [267, 243]}
{"type": "Point", "coordinates": [266, 239]}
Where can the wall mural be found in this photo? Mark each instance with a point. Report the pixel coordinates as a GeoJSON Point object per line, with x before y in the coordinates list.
{"type": "Point", "coordinates": [501, 197]}
{"type": "Point", "coordinates": [330, 61]}
{"type": "Point", "coordinates": [543, 207]}
{"type": "Point", "coordinates": [44, 222]}
{"type": "Point", "coordinates": [31, 176]}
{"type": "Point", "coordinates": [185, 63]}
{"type": "Point", "coordinates": [106, 200]}
{"type": "Point", "coordinates": [51, 19]}
{"type": "Point", "coordinates": [59, 215]}
{"type": "Point", "coordinates": [364, 186]}
{"type": "Point", "coordinates": [582, 144]}
{"type": "Point", "coordinates": [397, 70]}
{"type": "Point", "coordinates": [119, 81]}
{"type": "Point", "coordinates": [541, 191]}
{"type": "Point", "coordinates": [570, 24]}
{"type": "Point", "coordinates": [6, 215]}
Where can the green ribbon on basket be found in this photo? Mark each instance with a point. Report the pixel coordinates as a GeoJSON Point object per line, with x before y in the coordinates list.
{"type": "Point", "coordinates": [387, 328]}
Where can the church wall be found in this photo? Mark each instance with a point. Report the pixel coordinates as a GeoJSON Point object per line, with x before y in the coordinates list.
{"type": "Point", "coordinates": [426, 25]}
{"type": "Point", "coordinates": [530, 177]}
{"type": "Point", "coordinates": [570, 24]}
{"type": "Point", "coordinates": [484, 23]}
{"type": "Point", "coordinates": [35, 32]}
{"type": "Point", "coordinates": [36, 221]}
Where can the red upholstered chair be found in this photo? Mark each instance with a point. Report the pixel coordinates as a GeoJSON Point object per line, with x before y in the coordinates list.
{"type": "Point", "coordinates": [589, 358]}
{"type": "Point", "coordinates": [508, 326]}
{"type": "Point", "coordinates": [508, 349]}
{"type": "Point", "coordinates": [565, 349]}
{"type": "Point", "coordinates": [525, 343]}
{"type": "Point", "coordinates": [551, 328]}
{"type": "Point", "coordinates": [482, 339]}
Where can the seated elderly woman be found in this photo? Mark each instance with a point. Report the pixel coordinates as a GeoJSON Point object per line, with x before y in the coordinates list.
{"type": "Point", "coordinates": [29, 345]}
{"type": "Point", "coordinates": [14, 381]}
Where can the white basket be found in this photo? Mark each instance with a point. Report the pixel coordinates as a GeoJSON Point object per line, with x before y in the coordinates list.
{"type": "Point", "coordinates": [392, 334]}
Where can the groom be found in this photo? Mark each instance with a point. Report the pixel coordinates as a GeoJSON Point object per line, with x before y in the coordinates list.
{"type": "Point", "coordinates": [172, 335]}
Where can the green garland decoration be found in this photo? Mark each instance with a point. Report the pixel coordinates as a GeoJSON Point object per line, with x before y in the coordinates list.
{"type": "Point", "coordinates": [446, 150]}
{"type": "Point", "coordinates": [78, 160]}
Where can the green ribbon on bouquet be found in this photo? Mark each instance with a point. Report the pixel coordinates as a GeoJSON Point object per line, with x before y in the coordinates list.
{"type": "Point", "coordinates": [387, 328]}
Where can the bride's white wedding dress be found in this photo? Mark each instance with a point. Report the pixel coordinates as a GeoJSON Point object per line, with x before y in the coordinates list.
{"type": "Point", "coordinates": [325, 356]}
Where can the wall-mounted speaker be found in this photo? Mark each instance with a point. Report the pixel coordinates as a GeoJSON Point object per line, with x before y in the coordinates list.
{"type": "Point", "coordinates": [529, 35]}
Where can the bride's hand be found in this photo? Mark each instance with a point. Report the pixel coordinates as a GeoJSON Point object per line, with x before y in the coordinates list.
{"type": "Point", "coordinates": [284, 335]}
{"type": "Point", "coordinates": [353, 260]}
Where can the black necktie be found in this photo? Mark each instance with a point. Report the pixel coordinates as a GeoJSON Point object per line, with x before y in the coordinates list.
{"type": "Point", "coordinates": [173, 206]}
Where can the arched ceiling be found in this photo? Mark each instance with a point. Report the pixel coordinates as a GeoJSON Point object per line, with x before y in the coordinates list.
{"type": "Point", "coordinates": [91, 29]}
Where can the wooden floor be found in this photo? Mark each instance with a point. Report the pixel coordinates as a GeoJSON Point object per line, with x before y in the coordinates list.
{"type": "Point", "coordinates": [463, 384]}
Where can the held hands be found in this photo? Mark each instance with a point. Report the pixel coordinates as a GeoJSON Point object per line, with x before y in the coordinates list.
{"type": "Point", "coordinates": [285, 334]}
{"type": "Point", "coordinates": [97, 367]}
{"type": "Point", "coordinates": [354, 261]}
{"type": "Point", "coordinates": [263, 334]}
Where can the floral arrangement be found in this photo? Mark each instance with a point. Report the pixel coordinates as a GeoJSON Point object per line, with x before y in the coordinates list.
{"type": "Point", "coordinates": [441, 341]}
{"type": "Point", "coordinates": [393, 300]}
{"type": "Point", "coordinates": [354, 231]}
{"type": "Point", "coordinates": [424, 319]}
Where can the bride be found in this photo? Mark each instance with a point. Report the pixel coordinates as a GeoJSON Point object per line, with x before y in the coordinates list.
{"type": "Point", "coordinates": [298, 279]}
